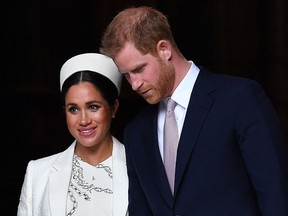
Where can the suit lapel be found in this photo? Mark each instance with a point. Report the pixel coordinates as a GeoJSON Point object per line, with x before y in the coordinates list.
{"type": "Point", "coordinates": [199, 105]}
{"type": "Point", "coordinates": [152, 157]}
{"type": "Point", "coordinates": [58, 190]}
{"type": "Point", "coordinates": [120, 179]}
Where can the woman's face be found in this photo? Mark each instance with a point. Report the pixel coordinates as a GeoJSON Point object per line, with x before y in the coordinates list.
{"type": "Point", "coordinates": [88, 115]}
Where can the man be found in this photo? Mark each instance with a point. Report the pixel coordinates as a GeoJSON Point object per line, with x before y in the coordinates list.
{"type": "Point", "coordinates": [231, 154]}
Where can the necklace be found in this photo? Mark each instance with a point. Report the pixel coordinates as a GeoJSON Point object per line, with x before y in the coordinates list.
{"type": "Point", "coordinates": [81, 186]}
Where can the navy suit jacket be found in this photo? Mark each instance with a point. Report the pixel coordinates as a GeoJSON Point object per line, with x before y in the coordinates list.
{"type": "Point", "coordinates": [232, 159]}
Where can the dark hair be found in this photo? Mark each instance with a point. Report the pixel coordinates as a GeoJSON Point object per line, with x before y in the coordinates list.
{"type": "Point", "coordinates": [106, 87]}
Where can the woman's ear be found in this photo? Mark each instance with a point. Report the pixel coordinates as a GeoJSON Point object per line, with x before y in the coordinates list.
{"type": "Point", "coordinates": [115, 108]}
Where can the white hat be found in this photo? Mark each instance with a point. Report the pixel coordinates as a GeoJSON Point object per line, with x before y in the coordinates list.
{"type": "Point", "coordinates": [95, 62]}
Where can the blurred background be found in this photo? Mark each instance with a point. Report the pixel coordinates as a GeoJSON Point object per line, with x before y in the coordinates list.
{"type": "Point", "coordinates": [245, 38]}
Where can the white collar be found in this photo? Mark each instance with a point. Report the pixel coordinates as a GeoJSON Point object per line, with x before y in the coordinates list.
{"type": "Point", "coordinates": [183, 91]}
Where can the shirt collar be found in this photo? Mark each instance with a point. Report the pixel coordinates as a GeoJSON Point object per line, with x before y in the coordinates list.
{"type": "Point", "coordinates": [183, 91]}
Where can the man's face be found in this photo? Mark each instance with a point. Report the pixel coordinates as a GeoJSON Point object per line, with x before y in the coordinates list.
{"type": "Point", "coordinates": [149, 76]}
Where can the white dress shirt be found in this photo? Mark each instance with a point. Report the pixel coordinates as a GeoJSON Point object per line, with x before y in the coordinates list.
{"type": "Point", "coordinates": [181, 96]}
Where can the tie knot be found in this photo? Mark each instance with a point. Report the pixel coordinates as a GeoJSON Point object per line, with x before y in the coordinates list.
{"type": "Point", "coordinates": [170, 104]}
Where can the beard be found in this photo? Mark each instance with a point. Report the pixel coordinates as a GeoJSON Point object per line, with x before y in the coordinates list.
{"type": "Point", "coordinates": [164, 85]}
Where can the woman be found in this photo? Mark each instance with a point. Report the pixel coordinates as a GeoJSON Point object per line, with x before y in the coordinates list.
{"type": "Point", "coordinates": [90, 177]}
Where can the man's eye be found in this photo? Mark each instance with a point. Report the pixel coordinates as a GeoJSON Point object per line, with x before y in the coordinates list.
{"type": "Point", "coordinates": [126, 75]}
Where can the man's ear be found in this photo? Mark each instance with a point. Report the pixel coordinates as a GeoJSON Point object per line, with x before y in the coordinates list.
{"type": "Point", "coordinates": [164, 50]}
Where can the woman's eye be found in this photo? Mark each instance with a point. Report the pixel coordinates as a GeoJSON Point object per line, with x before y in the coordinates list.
{"type": "Point", "coordinates": [72, 109]}
{"type": "Point", "coordinates": [94, 107]}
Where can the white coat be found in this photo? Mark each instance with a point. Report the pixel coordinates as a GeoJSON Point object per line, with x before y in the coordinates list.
{"type": "Point", "coordinates": [45, 186]}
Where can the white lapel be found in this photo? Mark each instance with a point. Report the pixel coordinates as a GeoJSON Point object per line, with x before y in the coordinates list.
{"type": "Point", "coordinates": [59, 181]}
{"type": "Point", "coordinates": [120, 179]}
{"type": "Point", "coordinates": [58, 189]}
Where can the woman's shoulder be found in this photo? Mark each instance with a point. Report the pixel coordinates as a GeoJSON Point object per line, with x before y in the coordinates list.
{"type": "Point", "coordinates": [50, 159]}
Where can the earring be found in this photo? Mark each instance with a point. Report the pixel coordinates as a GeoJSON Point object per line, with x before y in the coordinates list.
{"type": "Point", "coordinates": [113, 115]}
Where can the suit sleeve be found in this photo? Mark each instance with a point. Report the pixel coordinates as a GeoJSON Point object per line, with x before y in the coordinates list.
{"type": "Point", "coordinates": [264, 150]}
{"type": "Point", "coordinates": [25, 202]}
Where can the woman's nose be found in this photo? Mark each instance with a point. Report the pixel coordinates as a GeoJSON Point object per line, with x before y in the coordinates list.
{"type": "Point", "coordinates": [84, 118]}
